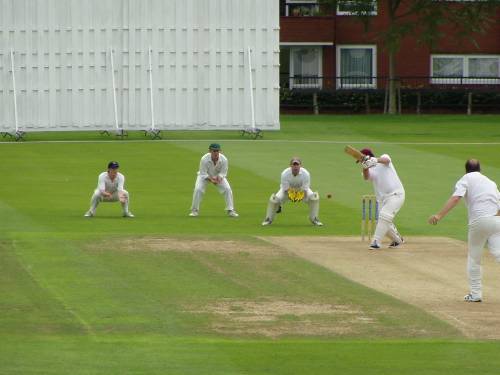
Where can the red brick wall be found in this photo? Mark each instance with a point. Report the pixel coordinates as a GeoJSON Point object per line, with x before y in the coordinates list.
{"type": "Point", "coordinates": [307, 29]}
{"type": "Point", "coordinates": [413, 59]}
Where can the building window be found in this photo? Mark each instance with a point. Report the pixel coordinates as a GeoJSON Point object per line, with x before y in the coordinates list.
{"type": "Point", "coordinates": [465, 69]}
{"type": "Point", "coordinates": [306, 67]}
{"type": "Point", "coordinates": [300, 8]}
{"type": "Point", "coordinates": [352, 7]}
{"type": "Point", "coordinates": [356, 67]}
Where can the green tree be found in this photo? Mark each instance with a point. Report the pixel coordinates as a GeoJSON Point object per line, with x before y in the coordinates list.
{"type": "Point", "coordinates": [423, 19]}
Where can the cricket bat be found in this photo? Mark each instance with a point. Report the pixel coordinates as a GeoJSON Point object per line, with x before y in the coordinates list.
{"type": "Point", "coordinates": [356, 154]}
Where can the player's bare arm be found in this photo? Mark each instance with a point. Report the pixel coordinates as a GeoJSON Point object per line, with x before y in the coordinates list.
{"type": "Point", "coordinates": [448, 206]}
{"type": "Point", "coordinates": [366, 173]}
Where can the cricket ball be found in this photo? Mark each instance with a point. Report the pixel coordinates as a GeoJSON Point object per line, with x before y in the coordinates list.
{"type": "Point", "coordinates": [328, 195]}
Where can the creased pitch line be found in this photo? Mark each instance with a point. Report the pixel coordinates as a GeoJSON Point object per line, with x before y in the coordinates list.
{"type": "Point", "coordinates": [87, 327]}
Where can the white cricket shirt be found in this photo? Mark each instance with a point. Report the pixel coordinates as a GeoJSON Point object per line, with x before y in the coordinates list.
{"type": "Point", "coordinates": [208, 168]}
{"type": "Point", "coordinates": [385, 179]}
{"type": "Point", "coordinates": [480, 194]}
{"type": "Point", "coordinates": [104, 183]}
{"type": "Point", "coordinates": [300, 182]}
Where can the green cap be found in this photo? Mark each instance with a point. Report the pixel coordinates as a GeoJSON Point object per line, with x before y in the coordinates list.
{"type": "Point", "coordinates": [214, 146]}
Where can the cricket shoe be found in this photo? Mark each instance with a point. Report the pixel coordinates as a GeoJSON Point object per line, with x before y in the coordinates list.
{"type": "Point", "coordinates": [89, 213]}
{"type": "Point", "coordinates": [317, 223]}
{"type": "Point", "coordinates": [395, 244]}
{"type": "Point", "coordinates": [232, 213]}
{"type": "Point", "coordinates": [470, 298]}
{"type": "Point", "coordinates": [128, 214]}
{"type": "Point", "coordinates": [374, 245]}
{"type": "Point", "coordinates": [267, 222]}
{"type": "Point", "coordinates": [193, 213]}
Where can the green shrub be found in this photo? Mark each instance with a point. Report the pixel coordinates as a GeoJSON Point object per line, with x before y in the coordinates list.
{"type": "Point", "coordinates": [355, 101]}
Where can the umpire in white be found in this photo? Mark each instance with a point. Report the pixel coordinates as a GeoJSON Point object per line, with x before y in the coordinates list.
{"type": "Point", "coordinates": [482, 199]}
{"type": "Point", "coordinates": [213, 169]}
{"type": "Point", "coordinates": [110, 189]}
{"type": "Point", "coordinates": [295, 186]}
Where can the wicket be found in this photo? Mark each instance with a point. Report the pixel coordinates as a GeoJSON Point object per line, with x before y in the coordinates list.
{"type": "Point", "coordinates": [370, 217]}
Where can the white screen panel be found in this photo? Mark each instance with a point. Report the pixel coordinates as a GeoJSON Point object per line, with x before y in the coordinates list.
{"type": "Point", "coordinates": [199, 63]}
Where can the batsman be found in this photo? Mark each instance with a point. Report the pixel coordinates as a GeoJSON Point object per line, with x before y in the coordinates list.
{"type": "Point", "coordinates": [389, 192]}
{"type": "Point", "coordinates": [294, 187]}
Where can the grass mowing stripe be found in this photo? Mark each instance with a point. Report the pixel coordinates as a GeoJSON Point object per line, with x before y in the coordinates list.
{"type": "Point", "coordinates": [366, 128]}
{"type": "Point", "coordinates": [187, 356]}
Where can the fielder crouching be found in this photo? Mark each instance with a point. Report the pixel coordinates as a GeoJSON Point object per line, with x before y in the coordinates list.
{"type": "Point", "coordinates": [110, 189]}
{"type": "Point", "coordinates": [390, 196]}
{"type": "Point", "coordinates": [295, 187]}
{"type": "Point", "coordinates": [213, 170]}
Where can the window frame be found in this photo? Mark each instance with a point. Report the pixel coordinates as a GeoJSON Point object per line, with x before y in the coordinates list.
{"type": "Point", "coordinates": [348, 13]}
{"type": "Point", "coordinates": [313, 3]}
{"type": "Point", "coordinates": [373, 83]}
{"type": "Point", "coordinates": [318, 78]}
{"type": "Point", "coordinates": [466, 79]}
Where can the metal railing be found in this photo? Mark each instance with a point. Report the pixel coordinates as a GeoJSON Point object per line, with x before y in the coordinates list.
{"type": "Point", "coordinates": [321, 83]}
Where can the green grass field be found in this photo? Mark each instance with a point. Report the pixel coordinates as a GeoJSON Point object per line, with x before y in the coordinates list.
{"type": "Point", "coordinates": [90, 296]}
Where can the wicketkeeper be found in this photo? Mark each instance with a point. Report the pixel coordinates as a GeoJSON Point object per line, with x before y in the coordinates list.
{"type": "Point", "coordinates": [110, 189]}
{"type": "Point", "coordinates": [294, 187]}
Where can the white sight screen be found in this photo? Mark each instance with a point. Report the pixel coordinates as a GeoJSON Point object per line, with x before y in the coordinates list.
{"type": "Point", "coordinates": [61, 52]}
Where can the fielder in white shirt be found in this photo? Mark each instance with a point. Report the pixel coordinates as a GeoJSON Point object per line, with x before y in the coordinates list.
{"type": "Point", "coordinates": [110, 189]}
{"type": "Point", "coordinates": [390, 196]}
{"type": "Point", "coordinates": [295, 186]}
{"type": "Point", "coordinates": [213, 169]}
{"type": "Point", "coordinates": [482, 200]}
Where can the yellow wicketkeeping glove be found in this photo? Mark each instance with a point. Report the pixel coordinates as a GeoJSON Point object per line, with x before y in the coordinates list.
{"type": "Point", "coordinates": [295, 195]}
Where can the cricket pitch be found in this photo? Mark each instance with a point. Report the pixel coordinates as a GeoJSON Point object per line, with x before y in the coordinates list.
{"type": "Point", "coordinates": [427, 272]}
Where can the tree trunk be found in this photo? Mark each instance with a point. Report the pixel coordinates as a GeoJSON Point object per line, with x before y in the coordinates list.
{"type": "Point", "coordinates": [469, 103]}
{"type": "Point", "coordinates": [315, 103]}
{"type": "Point", "coordinates": [392, 110]}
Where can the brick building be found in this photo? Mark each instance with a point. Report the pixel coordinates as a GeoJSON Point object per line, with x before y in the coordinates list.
{"type": "Point", "coordinates": [332, 50]}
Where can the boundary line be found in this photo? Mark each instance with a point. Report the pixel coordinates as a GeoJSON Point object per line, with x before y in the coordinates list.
{"type": "Point", "coordinates": [263, 141]}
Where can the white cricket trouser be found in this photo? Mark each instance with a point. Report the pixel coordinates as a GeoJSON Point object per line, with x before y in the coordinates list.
{"type": "Point", "coordinates": [223, 187]}
{"type": "Point", "coordinates": [388, 208]}
{"type": "Point", "coordinates": [97, 198]}
{"type": "Point", "coordinates": [484, 231]}
{"type": "Point", "coordinates": [281, 197]}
